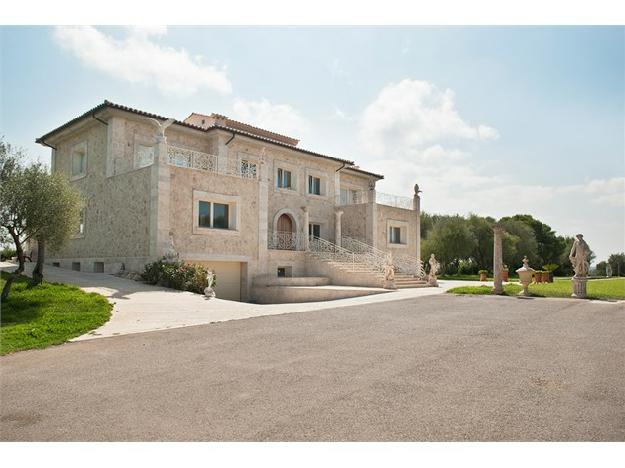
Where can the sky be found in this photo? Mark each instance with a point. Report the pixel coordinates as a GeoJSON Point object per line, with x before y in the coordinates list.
{"type": "Point", "coordinates": [488, 120]}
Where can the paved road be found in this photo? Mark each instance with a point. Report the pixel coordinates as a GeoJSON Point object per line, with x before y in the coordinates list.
{"type": "Point", "coordinates": [434, 368]}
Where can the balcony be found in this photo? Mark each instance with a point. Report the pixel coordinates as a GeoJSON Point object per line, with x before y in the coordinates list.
{"type": "Point", "coordinates": [285, 240]}
{"type": "Point", "coordinates": [181, 157]}
{"type": "Point", "coordinates": [353, 197]}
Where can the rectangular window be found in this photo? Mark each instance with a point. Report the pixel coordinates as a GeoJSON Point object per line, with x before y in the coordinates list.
{"type": "Point", "coordinates": [314, 230]}
{"type": "Point", "coordinates": [314, 185]}
{"type": "Point", "coordinates": [220, 216]}
{"type": "Point", "coordinates": [79, 162]}
{"type": "Point", "coordinates": [284, 179]}
{"type": "Point", "coordinates": [204, 219]}
{"type": "Point", "coordinates": [213, 215]}
{"type": "Point", "coordinates": [394, 235]}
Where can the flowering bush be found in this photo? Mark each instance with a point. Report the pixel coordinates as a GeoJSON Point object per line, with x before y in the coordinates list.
{"type": "Point", "coordinates": [177, 275]}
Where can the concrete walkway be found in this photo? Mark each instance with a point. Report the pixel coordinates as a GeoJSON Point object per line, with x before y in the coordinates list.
{"type": "Point", "coordinates": [140, 307]}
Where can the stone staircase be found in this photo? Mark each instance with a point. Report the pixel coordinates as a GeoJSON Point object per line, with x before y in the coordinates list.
{"type": "Point", "coordinates": [357, 264]}
{"type": "Point", "coordinates": [405, 280]}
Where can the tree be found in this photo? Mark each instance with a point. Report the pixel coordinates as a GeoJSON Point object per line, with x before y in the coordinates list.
{"type": "Point", "coordinates": [55, 212]}
{"type": "Point", "coordinates": [601, 268]}
{"type": "Point", "coordinates": [12, 209]}
{"type": "Point", "coordinates": [617, 262]}
{"type": "Point", "coordinates": [482, 229]}
{"type": "Point", "coordinates": [519, 241]}
{"type": "Point", "coordinates": [35, 205]}
{"type": "Point", "coordinates": [451, 240]}
{"type": "Point", "coordinates": [548, 245]}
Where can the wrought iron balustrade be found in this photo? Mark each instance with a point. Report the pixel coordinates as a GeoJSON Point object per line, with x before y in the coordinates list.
{"type": "Point", "coordinates": [285, 240]}
{"type": "Point", "coordinates": [182, 157]}
{"type": "Point", "coordinates": [393, 200]}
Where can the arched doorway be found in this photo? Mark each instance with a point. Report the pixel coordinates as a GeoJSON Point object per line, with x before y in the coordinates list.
{"type": "Point", "coordinates": [285, 234]}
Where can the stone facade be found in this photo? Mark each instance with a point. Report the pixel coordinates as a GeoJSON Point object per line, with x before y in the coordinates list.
{"type": "Point", "coordinates": [142, 192]}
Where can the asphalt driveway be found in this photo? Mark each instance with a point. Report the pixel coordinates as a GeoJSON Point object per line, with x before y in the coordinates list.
{"type": "Point", "coordinates": [439, 367]}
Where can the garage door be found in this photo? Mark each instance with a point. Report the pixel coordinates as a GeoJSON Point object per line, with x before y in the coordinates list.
{"type": "Point", "coordinates": [228, 278]}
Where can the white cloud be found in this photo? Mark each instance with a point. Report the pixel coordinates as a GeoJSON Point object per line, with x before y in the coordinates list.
{"type": "Point", "coordinates": [137, 59]}
{"type": "Point", "coordinates": [280, 118]}
{"type": "Point", "coordinates": [411, 114]}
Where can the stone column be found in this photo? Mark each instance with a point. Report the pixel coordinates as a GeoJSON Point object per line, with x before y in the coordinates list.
{"type": "Point", "coordinates": [497, 259]}
{"type": "Point", "coordinates": [159, 200]}
{"type": "Point", "coordinates": [263, 213]}
{"type": "Point", "coordinates": [416, 206]}
{"type": "Point", "coordinates": [304, 230]}
{"type": "Point", "coordinates": [337, 227]}
{"type": "Point", "coordinates": [371, 229]}
{"type": "Point", "coordinates": [115, 134]}
{"type": "Point", "coordinates": [222, 154]}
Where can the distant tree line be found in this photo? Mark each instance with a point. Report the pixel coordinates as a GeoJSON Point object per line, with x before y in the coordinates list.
{"type": "Point", "coordinates": [464, 245]}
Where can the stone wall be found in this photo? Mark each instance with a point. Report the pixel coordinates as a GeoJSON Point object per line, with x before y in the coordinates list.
{"type": "Point", "coordinates": [386, 213]}
{"type": "Point", "coordinates": [354, 221]}
{"type": "Point", "coordinates": [116, 211]}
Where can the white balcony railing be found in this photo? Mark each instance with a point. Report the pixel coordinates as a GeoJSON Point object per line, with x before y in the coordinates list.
{"type": "Point", "coordinates": [191, 159]}
{"type": "Point", "coordinates": [393, 200]}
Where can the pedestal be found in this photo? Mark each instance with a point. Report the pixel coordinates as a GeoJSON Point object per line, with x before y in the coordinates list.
{"type": "Point", "coordinates": [389, 284]}
{"type": "Point", "coordinates": [525, 291]}
{"type": "Point", "coordinates": [579, 286]}
{"type": "Point", "coordinates": [432, 281]}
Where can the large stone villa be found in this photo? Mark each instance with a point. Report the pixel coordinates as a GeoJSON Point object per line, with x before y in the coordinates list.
{"type": "Point", "coordinates": [246, 202]}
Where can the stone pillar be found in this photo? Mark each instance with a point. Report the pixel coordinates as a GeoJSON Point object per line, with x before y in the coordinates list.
{"type": "Point", "coordinates": [222, 154]}
{"type": "Point", "coordinates": [263, 213]}
{"type": "Point", "coordinates": [159, 200]}
{"type": "Point", "coordinates": [115, 141]}
{"type": "Point", "coordinates": [416, 206]}
{"type": "Point", "coordinates": [337, 227]}
{"type": "Point", "coordinates": [304, 230]}
{"type": "Point", "coordinates": [497, 259]}
{"type": "Point", "coordinates": [371, 229]}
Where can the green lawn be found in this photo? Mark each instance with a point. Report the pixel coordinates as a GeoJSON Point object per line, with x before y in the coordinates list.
{"type": "Point", "coordinates": [48, 314]}
{"type": "Point", "coordinates": [607, 289]}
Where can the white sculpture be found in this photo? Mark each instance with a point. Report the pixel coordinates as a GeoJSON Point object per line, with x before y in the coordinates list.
{"type": "Point", "coordinates": [209, 292]}
{"type": "Point", "coordinates": [608, 270]}
{"type": "Point", "coordinates": [161, 126]}
{"type": "Point", "coordinates": [171, 255]}
{"type": "Point", "coordinates": [389, 273]}
{"type": "Point", "coordinates": [579, 256]}
{"type": "Point", "coordinates": [579, 259]}
{"type": "Point", "coordinates": [525, 276]}
{"type": "Point", "coordinates": [434, 266]}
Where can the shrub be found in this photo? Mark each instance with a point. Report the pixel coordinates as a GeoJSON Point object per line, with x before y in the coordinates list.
{"type": "Point", "coordinates": [483, 272]}
{"type": "Point", "coordinates": [551, 267]}
{"type": "Point", "coordinates": [7, 253]}
{"type": "Point", "coordinates": [176, 275]}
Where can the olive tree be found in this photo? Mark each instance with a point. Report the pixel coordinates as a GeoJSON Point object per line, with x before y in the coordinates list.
{"type": "Point", "coordinates": [35, 206]}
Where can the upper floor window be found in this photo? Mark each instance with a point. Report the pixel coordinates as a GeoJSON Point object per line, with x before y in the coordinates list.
{"type": "Point", "coordinates": [314, 185]}
{"type": "Point", "coordinates": [284, 179]}
{"type": "Point", "coordinates": [394, 235]}
{"type": "Point", "coordinates": [213, 215]}
{"type": "Point", "coordinates": [79, 160]}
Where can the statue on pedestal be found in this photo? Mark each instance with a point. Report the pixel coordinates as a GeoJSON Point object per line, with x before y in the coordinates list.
{"type": "Point", "coordinates": [578, 256]}
{"type": "Point", "coordinates": [209, 292]}
{"type": "Point", "coordinates": [389, 273]}
{"type": "Point", "coordinates": [434, 266]}
{"type": "Point", "coordinates": [171, 255]}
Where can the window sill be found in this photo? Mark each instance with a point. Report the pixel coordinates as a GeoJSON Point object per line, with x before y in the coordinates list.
{"type": "Point", "coordinates": [209, 231]}
{"type": "Point", "coordinates": [399, 246]}
{"type": "Point", "coordinates": [78, 236]}
{"type": "Point", "coordinates": [290, 191]}
{"type": "Point", "coordinates": [78, 176]}
{"type": "Point", "coordinates": [314, 195]}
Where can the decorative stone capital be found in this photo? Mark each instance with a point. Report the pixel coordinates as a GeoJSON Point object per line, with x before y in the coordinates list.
{"type": "Point", "coordinates": [305, 209]}
{"type": "Point", "coordinates": [498, 228]}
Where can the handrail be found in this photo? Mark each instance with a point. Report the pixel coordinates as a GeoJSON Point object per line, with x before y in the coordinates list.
{"type": "Point", "coordinates": [402, 263]}
{"type": "Point", "coordinates": [182, 157]}
{"type": "Point", "coordinates": [285, 240]}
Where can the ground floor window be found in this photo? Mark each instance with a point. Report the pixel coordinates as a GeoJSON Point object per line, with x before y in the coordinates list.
{"type": "Point", "coordinates": [314, 230]}
{"type": "Point", "coordinates": [213, 215]}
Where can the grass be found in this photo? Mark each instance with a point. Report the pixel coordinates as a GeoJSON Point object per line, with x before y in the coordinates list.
{"type": "Point", "coordinates": [48, 314]}
{"type": "Point", "coordinates": [605, 289]}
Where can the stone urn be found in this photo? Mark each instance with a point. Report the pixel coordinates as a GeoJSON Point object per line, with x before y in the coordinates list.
{"type": "Point", "coordinates": [483, 275]}
{"type": "Point", "coordinates": [538, 277]}
{"type": "Point", "coordinates": [525, 276]}
{"type": "Point", "coordinates": [505, 275]}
